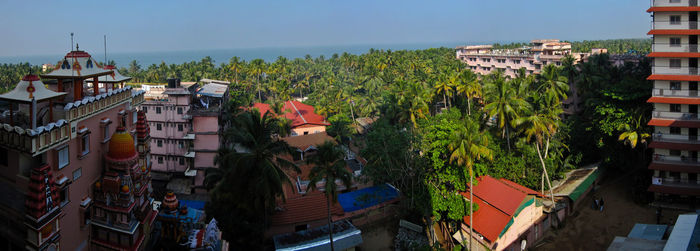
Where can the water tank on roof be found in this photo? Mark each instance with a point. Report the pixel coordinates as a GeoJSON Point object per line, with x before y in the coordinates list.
{"type": "Point", "coordinates": [173, 82]}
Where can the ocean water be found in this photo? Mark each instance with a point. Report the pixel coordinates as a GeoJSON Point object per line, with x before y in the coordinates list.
{"type": "Point", "coordinates": [222, 56]}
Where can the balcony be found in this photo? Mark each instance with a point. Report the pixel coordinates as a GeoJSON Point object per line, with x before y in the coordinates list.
{"type": "Point", "coordinates": [676, 115]}
{"type": "Point", "coordinates": [675, 160]}
{"type": "Point", "coordinates": [674, 93]}
{"type": "Point", "coordinates": [668, 25]}
{"type": "Point", "coordinates": [666, 70]}
{"type": "Point", "coordinates": [667, 3]}
{"type": "Point", "coordinates": [668, 47]}
{"type": "Point", "coordinates": [676, 138]}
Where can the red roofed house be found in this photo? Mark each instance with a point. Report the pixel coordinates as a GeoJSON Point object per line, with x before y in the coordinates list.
{"type": "Point", "coordinates": [508, 215]}
{"type": "Point", "coordinates": [304, 120]}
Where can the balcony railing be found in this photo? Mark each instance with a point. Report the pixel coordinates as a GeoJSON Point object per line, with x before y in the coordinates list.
{"type": "Point", "coordinates": [675, 115]}
{"type": "Point", "coordinates": [673, 25]}
{"type": "Point", "coordinates": [675, 160]}
{"type": "Point", "coordinates": [668, 47]}
{"type": "Point", "coordinates": [676, 138]}
{"type": "Point", "coordinates": [675, 93]}
{"type": "Point", "coordinates": [676, 182]}
{"type": "Point", "coordinates": [667, 70]}
{"type": "Point", "coordinates": [667, 3]}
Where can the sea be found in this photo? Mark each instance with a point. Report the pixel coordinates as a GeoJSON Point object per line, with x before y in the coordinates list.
{"type": "Point", "coordinates": [220, 56]}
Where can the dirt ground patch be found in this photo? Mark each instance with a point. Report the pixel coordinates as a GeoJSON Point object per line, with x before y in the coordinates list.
{"type": "Point", "coordinates": [590, 229]}
{"type": "Point", "coordinates": [379, 235]}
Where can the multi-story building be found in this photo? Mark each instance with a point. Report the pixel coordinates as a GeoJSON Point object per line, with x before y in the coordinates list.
{"type": "Point", "coordinates": [185, 122]}
{"type": "Point", "coordinates": [675, 98]}
{"type": "Point", "coordinates": [53, 144]}
{"type": "Point", "coordinates": [483, 59]}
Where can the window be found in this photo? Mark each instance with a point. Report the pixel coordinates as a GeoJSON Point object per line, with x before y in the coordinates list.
{"type": "Point", "coordinates": [675, 42]}
{"type": "Point", "coordinates": [182, 161]}
{"type": "Point", "coordinates": [675, 108]}
{"type": "Point", "coordinates": [159, 126]}
{"type": "Point", "coordinates": [145, 109]}
{"type": "Point", "coordinates": [180, 127]}
{"type": "Point", "coordinates": [160, 143]}
{"type": "Point", "coordinates": [160, 159]}
{"type": "Point", "coordinates": [63, 158]}
{"type": "Point", "coordinates": [181, 144]}
{"type": "Point", "coordinates": [675, 63]}
{"type": "Point", "coordinates": [675, 130]}
{"type": "Point", "coordinates": [157, 109]}
{"type": "Point", "coordinates": [63, 196]}
{"type": "Point", "coordinates": [675, 152]}
{"type": "Point", "coordinates": [85, 144]}
{"type": "Point", "coordinates": [105, 132]}
{"type": "Point", "coordinates": [676, 19]}
{"type": "Point", "coordinates": [123, 120]}
{"type": "Point", "coordinates": [179, 110]}
{"type": "Point", "coordinates": [674, 1]}
{"type": "Point", "coordinates": [134, 117]}
{"type": "Point", "coordinates": [77, 174]}
{"type": "Point", "coordinates": [306, 133]}
{"type": "Point", "coordinates": [675, 85]}
{"type": "Point", "coordinates": [3, 156]}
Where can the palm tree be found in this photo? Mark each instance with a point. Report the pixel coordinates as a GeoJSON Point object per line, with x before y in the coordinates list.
{"type": "Point", "coordinates": [442, 86]}
{"type": "Point", "coordinates": [553, 83]}
{"type": "Point", "coordinates": [235, 65]}
{"type": "Point", "coordinates": [503, 103]}
{"type": "Point", "coordinates": [467, 146]}
{"type": "Point", "coordinates": [329, 166]}
{"type": "Point", "coordinates": [636, 132]}
{"type": "Point", "coordinates": [469, 86]}
{"type": "Point", "coordinates": [256, 168]}
{"type": "Point", "coordinates": [257, 68]}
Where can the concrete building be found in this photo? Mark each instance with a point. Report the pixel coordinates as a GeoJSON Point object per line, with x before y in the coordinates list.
{"type": "Point", "coordinates": [304, 119]}
{"type": "Point", "coordinates": [53, 144]}
{"type": "Point", "coordinates": [483, 59]}
{"type": "Point", "coordinates": [185, 122]}
{"type": "Point", "coordinates": [675, 181]}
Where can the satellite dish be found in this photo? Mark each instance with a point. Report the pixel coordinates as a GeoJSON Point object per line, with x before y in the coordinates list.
{"type": "Point", "coordinates": [523, 244]}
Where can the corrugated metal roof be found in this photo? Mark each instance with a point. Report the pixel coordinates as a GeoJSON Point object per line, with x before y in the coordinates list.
{"type": "Point", "coordinates": [213, 90]}
{"type": "Point", "coordinates": [682, 233]}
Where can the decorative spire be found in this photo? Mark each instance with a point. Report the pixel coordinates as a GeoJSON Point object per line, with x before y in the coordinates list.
{"type": "Point", "coordinates": [42, 196]}
{"type": "Point", "coordinates": [142, 128]}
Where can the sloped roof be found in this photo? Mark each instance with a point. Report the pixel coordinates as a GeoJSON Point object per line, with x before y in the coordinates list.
{"type": "Point", "coordinates": [299, 113]}
{"type": "Point", "coordinates": [498, 201]}
{"type": "Point", "coordinates": [77, 64]}
{"type": "Point", "coordinates": [23, 92]}
{"type": "Point", "coordinates": [674, 100]}
{"type": "Point", "coordinates": [304, 209]}
{"type": "Point", "coordinates": [115, 77]}
{"type": "Point", "coordinates": [674, 123]}
{"type": "Point", "coordinates": [213, 90]}
{"type": "Point", "coordinates": [303, 142]}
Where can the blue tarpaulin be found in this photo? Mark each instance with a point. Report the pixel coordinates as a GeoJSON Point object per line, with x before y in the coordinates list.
{"type": "Point", "coordinates": [367, 197]}
{"type": "Point", "coordinates": [196, 204]}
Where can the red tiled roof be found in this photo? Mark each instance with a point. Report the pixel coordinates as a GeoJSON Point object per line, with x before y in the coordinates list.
{"type": "Point", "coordinates": [674, 100]}
{"type": "Point", "coordinates": [522, 188]}
{"type": "Point", "coordinates": [693, 191]}
{"type": "Point", "coordinates": [673, 9]}
{"type": "Point", "coordinates": [675, 146]}
{"type": "Point", "coordinates": [299, 113]}
{"type": "Point", "coordinates": [500, 195]}
{"type": "Point", "coordinates": [304, 209]}
{"type": "Point", "coordinates": [674, 77]}
{"type": "Point", "coordinates": [488, 220]}
{"type": "Point", "coordinates": [498, 200]}
{"type": "Point", "coordinates": [674, 55]}
{"type": "Point", "coordinates": [674, 123]}
{"type": "Point", "coordinates": [673, 32]}
{"type": "Point", "coordinates": [303, 142]}
{"type": "Point", "coordinates": [682, 168]}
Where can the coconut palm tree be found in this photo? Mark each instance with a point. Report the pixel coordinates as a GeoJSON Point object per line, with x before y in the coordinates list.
{"type": "Point", "coordinates": [235, 65]}
{"type": "Point", "coordinates": [442, 86]}
{"type": "Point", "coordinates": [257, 68]}
{"type": "Point", "coordinates": [469, 86]}
{"type": "Point", "coordinates": [329, 166]}
{"type": "Point", "coordinates": [467, 146]}
{"type": "Point", "coordinates": [551, 82]}
{"type": "Point", "coordinates": [503, 104]}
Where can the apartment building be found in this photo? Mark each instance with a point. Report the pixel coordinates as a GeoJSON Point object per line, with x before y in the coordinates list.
{"type": "Point", "coordinates": [185, 128]}
{"type": "Point", "coordinates": [56, 137]}
{"type": "Point", "coordinates": [675, 98]}
{"type": "Point", "coordinates": [483, 59]}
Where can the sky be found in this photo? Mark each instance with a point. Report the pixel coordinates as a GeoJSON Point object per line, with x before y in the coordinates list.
{"type": "Point", "coordinates": [44, 27]}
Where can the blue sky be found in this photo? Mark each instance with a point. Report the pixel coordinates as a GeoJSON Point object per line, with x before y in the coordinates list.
{"type": "Point", "coordinates": [43, 27]}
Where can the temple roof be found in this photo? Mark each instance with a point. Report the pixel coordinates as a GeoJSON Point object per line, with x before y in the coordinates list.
{"type": "Point", "coordinates": [115, 77]}
{"type": "Point", "coordinates": [77, 64]}
{"type": "Point", "coordinates": [121, 145]}
{"type": "Point", "coordinates": [30, 86]}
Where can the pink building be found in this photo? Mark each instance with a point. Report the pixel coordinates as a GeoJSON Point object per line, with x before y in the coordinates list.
{"type": "Point", "coordinates": [185, 130]}
{"type": "Point", "coordinates": [483, 59]}
{"type": "Point", "coordinates": [55, 140]}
